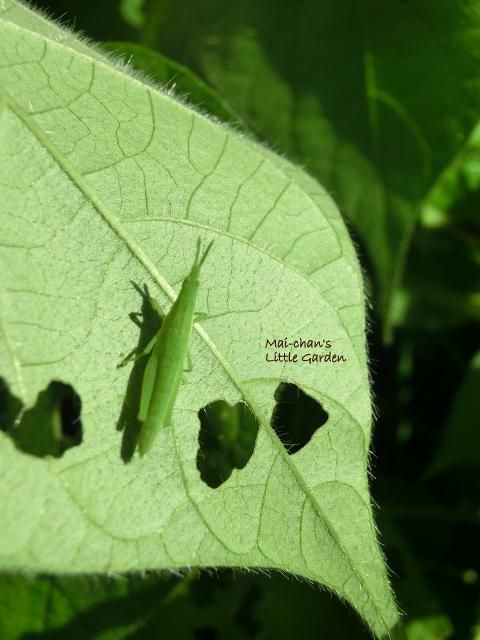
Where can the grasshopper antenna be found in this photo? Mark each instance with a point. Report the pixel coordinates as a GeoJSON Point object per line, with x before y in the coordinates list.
{"type": "Point", "coordinates": [205, 254]}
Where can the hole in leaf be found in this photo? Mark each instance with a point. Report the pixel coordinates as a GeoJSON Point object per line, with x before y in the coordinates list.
{"type": "Point", "coordinates": [50, 427]}
{"type": "Point", "coordinates": [149, 325]}
{"type": "Point", "coordinates": [226, 440]}
{"type": "Point", "coordinates": [296, 416]}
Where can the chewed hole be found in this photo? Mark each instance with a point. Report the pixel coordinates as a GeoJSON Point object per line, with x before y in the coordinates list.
{"type": "Point", "coordinates": [226, 440]}
{"type": "Point", "coordinates": [296, 416]}
{"type": "Point", "coordinates": [50, 427]}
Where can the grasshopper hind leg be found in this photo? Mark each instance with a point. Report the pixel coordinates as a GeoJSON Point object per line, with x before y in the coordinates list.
{"type": "Point", "coordinates": [147, 388]}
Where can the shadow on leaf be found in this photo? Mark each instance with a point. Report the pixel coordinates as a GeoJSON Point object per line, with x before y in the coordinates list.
{"type": "Point", "coordinates": [149, 322]}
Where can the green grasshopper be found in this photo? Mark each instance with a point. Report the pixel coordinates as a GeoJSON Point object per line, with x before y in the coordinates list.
{"type": "Point", "coordinates": [167, 352]}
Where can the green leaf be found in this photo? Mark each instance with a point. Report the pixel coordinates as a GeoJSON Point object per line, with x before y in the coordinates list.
{"type": "Point", "coordinates": [442, 274]}
{"type": "Point", "coordinates": [84, 607]}
{"type": "Point", "coordinates": [38, 604]}
{"type": "Point", "coordinates": [107, 180]}
{"type": "Point", "coordinates": [447, 200]}
{"type": "Point", "coordinates": [459, 444]}
{"type": "Point", "coordinates": [436, 627]}
{"type": "Point", "coordinates": [132, 12]}
{"type": "Point", "coordinates": [374, 98]}
{"type": "Point", "coordinates": [227, 606]}
{"type": "Point", "coordinates": [166, 72]}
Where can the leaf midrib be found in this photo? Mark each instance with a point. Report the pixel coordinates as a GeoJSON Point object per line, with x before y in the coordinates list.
{"type": "Point", "coordinates": [115, 224]}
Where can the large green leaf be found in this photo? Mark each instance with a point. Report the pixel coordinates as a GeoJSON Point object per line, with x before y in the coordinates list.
{"type": "Point", "coordinates": [442, 275]}
{"type": "Point", "coordinates": [177, 77]}
{"type": "Point", "coordinates": [77, 607]}
{"type": "Point", "coordinates": [375, 98]}
{"type": "Point", "coordinates": [226, 606]}
{"type": "Point", "coordinates": [448, 200]}
{"type": "Point", "coordinates": [140, 606]}
{"type": "Point", "coordinates": [106, 180]}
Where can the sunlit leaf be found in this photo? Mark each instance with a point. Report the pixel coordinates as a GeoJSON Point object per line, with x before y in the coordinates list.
{"type": "Point", "coordinates": [106, 181]}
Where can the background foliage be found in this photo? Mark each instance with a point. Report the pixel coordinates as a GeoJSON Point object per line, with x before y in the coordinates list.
{"type": "Point", "coordinates": [380, 102]}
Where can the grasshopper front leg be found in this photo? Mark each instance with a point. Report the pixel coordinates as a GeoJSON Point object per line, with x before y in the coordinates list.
{"type": "Point", "coordinates": [135, 355]}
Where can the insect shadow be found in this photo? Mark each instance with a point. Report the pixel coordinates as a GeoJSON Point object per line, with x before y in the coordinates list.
{"type": "Point", "coordinates": [149, 322]}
